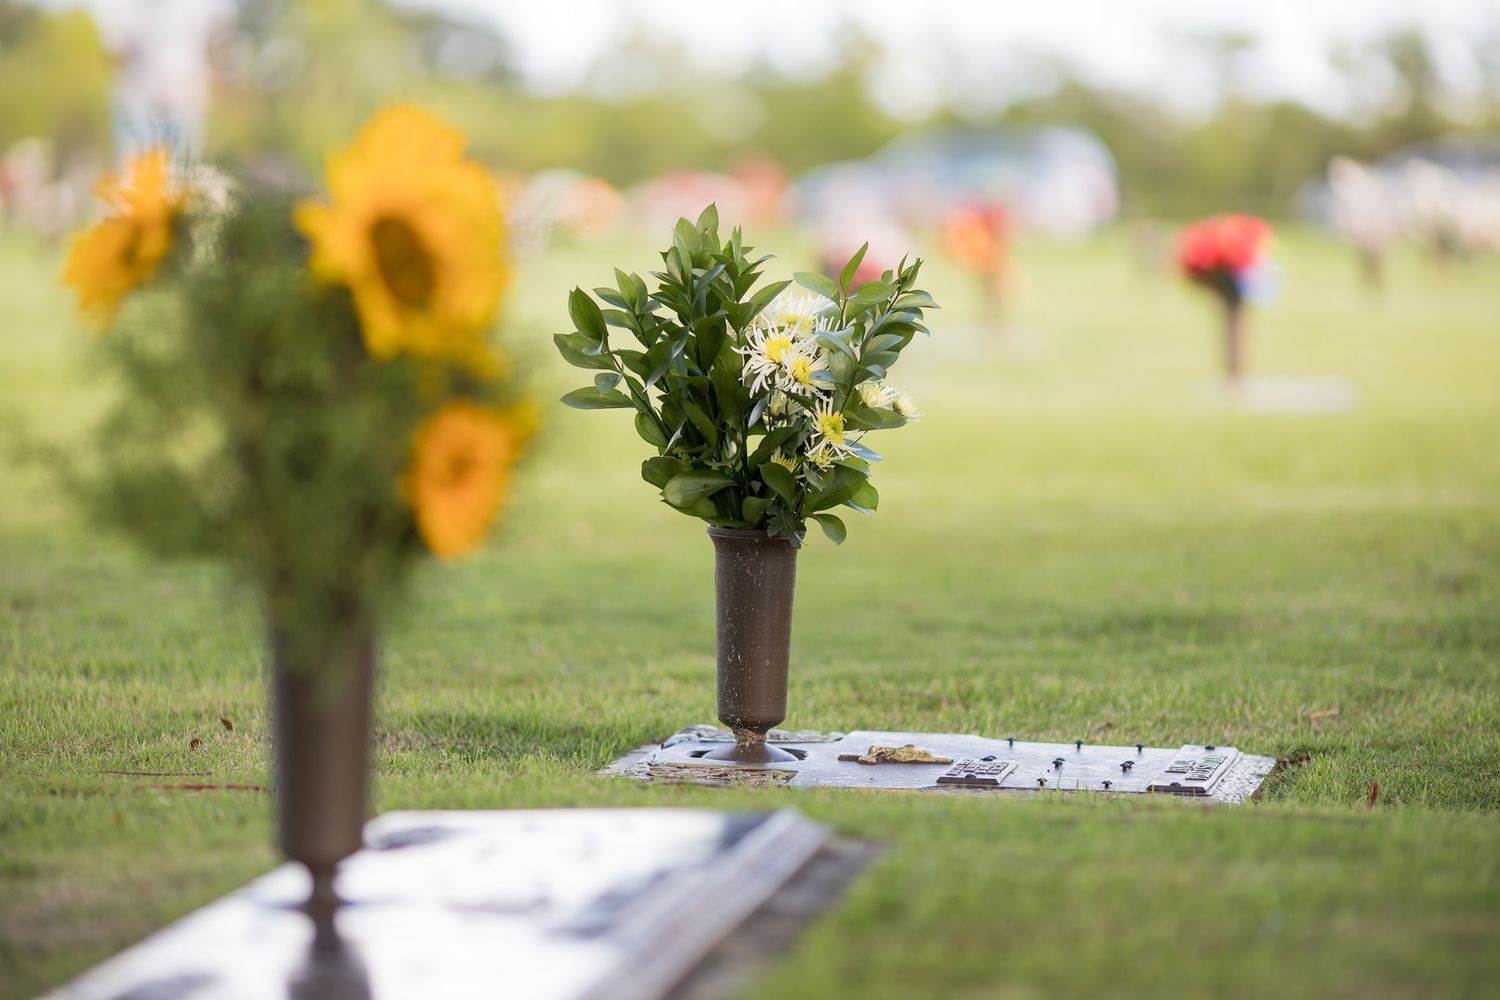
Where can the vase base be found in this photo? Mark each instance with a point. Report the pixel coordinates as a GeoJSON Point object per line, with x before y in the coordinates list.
{"type": "Point", "coordinates": [751, 753]}
{"type": "Point", "coordinates": [323, 901]}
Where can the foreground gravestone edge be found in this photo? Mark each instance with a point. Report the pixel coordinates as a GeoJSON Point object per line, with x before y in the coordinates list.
{"type": "Point", "coordinates": [1207, 772]}
{"type": "Point", "coordinates": [568, 904]}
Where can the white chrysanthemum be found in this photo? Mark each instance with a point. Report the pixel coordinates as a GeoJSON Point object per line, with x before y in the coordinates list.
{"type": "Point", "coordinates": [787, 462]}
{"type": "Point", "coordinates": [794, 314]}
{"type": "Point", "coordinates": [822, 457]}
{"type": "Point", "coordinates": [780, 348]}
{"type": "Point", "coordinates": [775, 363]}
{"type": "Point", "coordinates": [877, 395]}
{"type": "Point", "coordinates": [907, 407]}
{"type": "Point", "coordinates": [765, 351]}
{"type": "Point", "coordinates": [828, 432]}
{"type": "Point", "coordinates": [799, 368]}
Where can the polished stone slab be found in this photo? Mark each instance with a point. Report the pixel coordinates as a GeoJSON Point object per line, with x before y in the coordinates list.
{"type": "Point", "coordinates": [977, 763]}
{"type": "Point", "coordinates": [544, 904]}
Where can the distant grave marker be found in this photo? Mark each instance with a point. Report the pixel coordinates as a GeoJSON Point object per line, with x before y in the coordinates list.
{"type": "Point", "coordinates": [1285, 395]}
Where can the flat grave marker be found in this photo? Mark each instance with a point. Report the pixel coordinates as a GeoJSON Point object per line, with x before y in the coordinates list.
{"type": "Point", "coordinates": [962, 762]}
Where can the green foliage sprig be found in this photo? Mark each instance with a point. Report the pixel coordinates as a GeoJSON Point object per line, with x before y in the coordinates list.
{"type": "Point", "coordinates": [757, 403]}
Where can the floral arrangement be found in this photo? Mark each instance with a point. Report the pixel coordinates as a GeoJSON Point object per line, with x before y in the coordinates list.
{"type": "Point", "coordinates": [1227, 254]}
{"type": "Point", "coordinates": [757, 401]}
{"type": "Point", "coordinates": [306, 383]}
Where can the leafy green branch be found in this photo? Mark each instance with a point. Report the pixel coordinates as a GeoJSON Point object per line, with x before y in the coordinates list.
{"type": "Point", "coordinates": [721, 450]}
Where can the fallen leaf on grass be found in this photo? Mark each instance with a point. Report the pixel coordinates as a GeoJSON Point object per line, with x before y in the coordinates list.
{"type": "Point", "coordinates": [1316, 715]}
{"type": "Point", "coordinates": [194, 743]}
{"type": "Point", "coordinates": [1322, 714]}
{"type": "Point", "coordinates": [227, 724]}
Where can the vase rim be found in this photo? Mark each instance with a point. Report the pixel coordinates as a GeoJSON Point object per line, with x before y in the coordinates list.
{"type": "Point", "coordinates": [737, 532]}
{"type": "Point", "coordinates": [747, 534]}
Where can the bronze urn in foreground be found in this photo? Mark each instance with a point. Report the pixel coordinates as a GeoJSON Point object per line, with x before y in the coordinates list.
{"type": "Point", "coordinates": [324, 720]}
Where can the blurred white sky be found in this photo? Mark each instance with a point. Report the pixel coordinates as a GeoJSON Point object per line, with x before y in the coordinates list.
{"type": "Point", "coordinates": [971, 54]}
{"type": "Point", "coordinates": [951, 50]}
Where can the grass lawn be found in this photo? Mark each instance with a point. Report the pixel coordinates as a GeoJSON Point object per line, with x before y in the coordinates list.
{"type": "Point", "coordinates": [1076, 541]}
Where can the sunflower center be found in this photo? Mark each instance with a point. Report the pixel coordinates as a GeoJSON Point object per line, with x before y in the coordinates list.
{"type": "Point", "coordinates": [457, 468]}
{"type": "Point", "coordinates": [404, 262]}
{"type": "Point", "coordinates": [130, 247]}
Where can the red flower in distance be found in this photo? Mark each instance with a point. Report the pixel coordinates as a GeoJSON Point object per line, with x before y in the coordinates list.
{"type": "Point", "coordinates": [1222, 243]}
{"type": "Point", "coordinates": [1221, 252]}
{"type": "Point", "coordinates": [976, 235]}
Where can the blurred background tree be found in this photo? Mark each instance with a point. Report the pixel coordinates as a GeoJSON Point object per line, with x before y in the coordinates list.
{"type": "Point", "coordinates": [54, 80]}
{"type": "Point", "coordinates": [288, 75]}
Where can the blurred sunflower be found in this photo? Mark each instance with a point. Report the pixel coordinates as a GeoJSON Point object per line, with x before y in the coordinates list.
{"type": "Point", "coordinates": [459, 476]}
{"type": "Point", "coordinates": [415, 232]}
{"type": "Point", "coordinates": [125, 248]}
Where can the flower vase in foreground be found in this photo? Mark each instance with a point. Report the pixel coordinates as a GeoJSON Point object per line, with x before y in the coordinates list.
{"type": "Point", "coordinates": [310, 395]}
{"type": "Point", "coordinates": [324, 728]}
{"type": "Point", "coordinates": [757, 404]}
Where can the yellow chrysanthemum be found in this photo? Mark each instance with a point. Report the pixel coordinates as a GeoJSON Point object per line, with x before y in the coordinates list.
{"type": "Point", "coordinates": [459, 476]}
{"type": "Point", "coordinates": [415, 232]}
{"type": "Point", "coordinates": [125, 248]}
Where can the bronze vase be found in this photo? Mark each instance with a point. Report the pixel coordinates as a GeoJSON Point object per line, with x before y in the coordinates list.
{"type": "Point", "coordinates": [754, 577]}
{"type": "Point", "coordinates": [324, 722]}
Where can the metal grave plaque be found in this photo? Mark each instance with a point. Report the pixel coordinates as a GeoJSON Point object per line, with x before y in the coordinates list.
{"type": "Point", "coordinates": [979, 773]}
{"type": "Point", "coordinates": [880, 759]}
{"type": "Point", "coordinates": [1195, 770]}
